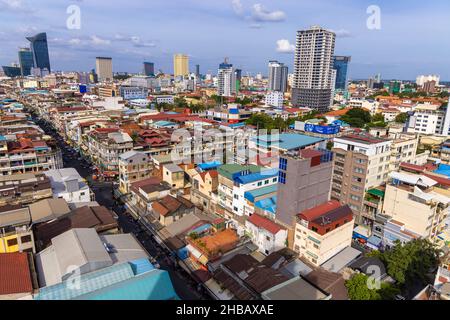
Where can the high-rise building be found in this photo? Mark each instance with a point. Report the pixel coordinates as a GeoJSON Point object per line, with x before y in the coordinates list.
{"type": "Point", "coordinates": [361, 163]}
{"type": "Point", "coordinates": [340, 64]}
{"type": "Point", "coordinates": [39, 49]}
{"type": "Point", "coordinates": [26, 61]}
{"type": "Point", "coordinates": [180, 65]}
{"type": "Point", "coordinates": [226, 84]}
{"type": "Point", "coordinates": [149, 69]}
{"type": "Point", "coordinates": [238, 75]}
{"type": "Point", "coordinates": [420, 80]}
{"type": "Point", "coordinates": [11, 71]}
{"type": "Point", "coordinates": [197, 71]}
{"type": "Point", "coordinates": [313, 66]}
{"type": "Point", "coordinates": [278, 75]}
{"type": "Point", "coordinates": [103, 67]}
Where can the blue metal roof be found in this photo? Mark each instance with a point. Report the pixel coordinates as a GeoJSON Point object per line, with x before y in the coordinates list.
{"type": "Point", "coordinates": [164, 123]}
{"type": "Point", "coordinates": [234, 111]}
{"type": "Point", "coordinates": [443, 169]}
{"type": "Point", "coordinates": [287, 141]}
{"type": "Point", "coordinates": [268, 204]}
{"type": "Point", "coordinates": [251, 195]}
{"type": "Point", "coordinates": [86, 283]}
{"type": "Point", "coordinates": [152, 285]}
{"type": "Point", "coordinates": [209, 165]}
{"type": "Point", "coordinates": [252, 177]}
{"type": "Point", "coordinates": [141, 266]}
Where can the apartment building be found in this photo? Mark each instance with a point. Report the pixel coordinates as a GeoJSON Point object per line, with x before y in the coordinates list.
{"type": "Point", "coordinates": [204, 189]}
{"type": "Point", "coordinates": [361, 162]}
{"type": "Point", "coordinates": [24, 188]}
{"type": "Point", "coordinates": [235, 180]}
{"type": "Point", "coordinates": [22, 153]}
{"type": "Point", "coordinates": [133, 166]}
{"type": "Point", "coordinates": [323, 231]}
{"type": "Point", "coordinates": [417, 204]}
{"type": "Point", "coordinates": [69, 185]}
{"type": "Point", "coordinates": [303, 183]}
{"type": "Point", "coordinates": [432, 119]}
{"type": "Point", "coordinates": [105, 145]}
{"type": "Point", "coordinates": [403, 149]}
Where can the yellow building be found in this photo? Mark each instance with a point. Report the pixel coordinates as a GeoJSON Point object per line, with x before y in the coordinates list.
{"type": "Point", "coordinates": [173, 175]}
{"type": "Point", "coordinates": [413, 201]}
{"type": "Point", "coordinates": [180, 65]}
{"type": "Point", "coordinates": [323, 231]}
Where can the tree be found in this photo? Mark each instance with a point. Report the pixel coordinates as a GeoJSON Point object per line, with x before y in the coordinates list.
{"type": "Point", "coordinates": [357, 117]}
{"type": "Point", "coordinates": [358, 289]}
{"type": "Point", "coordinates": [330, 145]}
{"type": "Point", "coordinates": [401, 117]}
{"type": "Point", "coordinates": [412, 261]}
{"type": "Point", "coordinates": [378, 117]}
{"type": "Point", "coordinates": [260, 120]}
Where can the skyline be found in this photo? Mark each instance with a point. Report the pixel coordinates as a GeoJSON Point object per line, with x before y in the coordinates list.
{"type": "Point", "coordinates": [147, 35]}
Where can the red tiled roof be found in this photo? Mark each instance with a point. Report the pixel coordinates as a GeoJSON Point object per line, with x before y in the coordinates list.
{"type": "Point", "coordinates": [411, 166]}
{"type": "Point", "coordinates": [15, 273]}
{"type": "Point", "coordinates": [265, 223]}
{"type": "Point", "coordinates": [321, 209]}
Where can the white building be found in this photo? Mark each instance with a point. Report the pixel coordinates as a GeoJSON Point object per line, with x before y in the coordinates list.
{"type": "Point", "coordinates": [275, 99]}
{"type": "Point", "coordinates": [422, 79]}
{"type": "Point", "coordinates": [430, 119]}
{"type": "Point", "coordinates": [226, 85]}
{"type": "Point", "coordinates": [266, 234]}
{"type": "Point", "coordinates": [69, 185]}
{"type": "Point", "coordinates": [313, 67]}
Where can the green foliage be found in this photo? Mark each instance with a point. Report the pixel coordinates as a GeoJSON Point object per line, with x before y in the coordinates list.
{"type": "Point", "coordinates": [357, 117]}
{"type": "Point", "coordinates": [401, 118]}
{"type": "Point", "coordinates": [244, 101]}
{"type": "Point", "coordinates": [194, 235]}
{"type": "Point", "coordinates": [264, 121]}
{"type": "Point", "coordinates": [378, 118]}
{"type": "Point", "coordinates": [412, 261]}
{"type": "Point", "coordinates": [358, 289]}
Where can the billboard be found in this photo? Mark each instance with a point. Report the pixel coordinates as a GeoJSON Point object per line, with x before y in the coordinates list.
{"type": "Point", "coordinates": [309, 127]}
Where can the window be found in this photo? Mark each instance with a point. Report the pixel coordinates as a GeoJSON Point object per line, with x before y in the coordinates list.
{"type": "Point", "coordinates": [12, 242]}
{"type": "Point", "coordinates": [236, 197]}
{"type": "Point", "coordinates": [274, 180]}
{"type": "Point", "coordinates": [266, 182]}
{"type": "Point", "coordinates": [314, 229]}
{"type": "Point", "coordinates": [282, 177]}
{"type": "Point", "coordinates": [283, 164]}
{"type": "Point", "coordinates": [267, 238]}
{"type": "Point", "coordinates": [259, 183]}
{"type": "Point", "coordinates": [25, 239]}
{"type": "Point", "coordinates": [235, 209]}
{"type": "Point", "coordinates": [358, 170]}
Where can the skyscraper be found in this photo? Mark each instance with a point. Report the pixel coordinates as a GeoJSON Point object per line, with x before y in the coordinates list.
{"type": "Point", "coordinates": [278, 74]}
{"type": "Point", "coordinates": [238, 77]}
{"type": "Point", "coordinates": [103, 66]}
{"type": "Point", "coordinates": [180, 65]}
{"type": "Point", "coordinates": [226, 80]}
{"type": "Point", "coordinates": [149, 69]}
{"type": "Point", "coordinates": [340, 64]}
{"type": "Point", "coordinates": [39, 49]}
{"type": "Point", "coordinates": [313, 66]}
{"type": "Point", "coordinates": [197, 71]}
{"type": "Point", "coordinates": [25, 61]}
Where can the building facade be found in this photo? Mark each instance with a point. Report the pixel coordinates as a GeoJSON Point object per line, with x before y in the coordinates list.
{"type": "Point", "coordinates": [104, 69]}
{"type": "Point", "coordinates": [278, 74]}
{"type": "Point", "coordinates": [313, 66]}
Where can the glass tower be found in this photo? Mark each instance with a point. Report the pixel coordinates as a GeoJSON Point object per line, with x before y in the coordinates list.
{"type": "Point", "coordinates": [340, 64]}
{"type": "Point", "coordinates": [39, 49]}
{"type": "Point", "coordinates": [26, 61]}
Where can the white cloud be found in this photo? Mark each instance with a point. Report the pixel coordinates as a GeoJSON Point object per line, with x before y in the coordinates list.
{"type": "Point", "coordinates": [284, 46]}
{"type": "Point", "coordinates": [238, 8]}
{"type": "Point", "coordinates": [342, 33]}
{"type": "Point", "coordinates": [260, 13]}
{"type": "Point", "coordinates": [95, 40]}
{"type": "Point", "coordinates": [15, 5]}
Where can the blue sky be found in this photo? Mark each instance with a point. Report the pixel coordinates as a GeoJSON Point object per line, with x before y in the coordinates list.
{"type": "Point", "coordinates": [413, 39]}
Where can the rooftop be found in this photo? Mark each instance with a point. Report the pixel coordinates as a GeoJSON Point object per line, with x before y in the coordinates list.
{"type": "Point", "coordinates": [287, 141]}
{"type": "Point", "coordinates": [265, 223]}
{"type": "Point", "coordinates": [15, 274]}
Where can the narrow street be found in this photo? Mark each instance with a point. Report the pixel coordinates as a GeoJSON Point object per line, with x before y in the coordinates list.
{"type": "Point", "coordinates": [182, 282]}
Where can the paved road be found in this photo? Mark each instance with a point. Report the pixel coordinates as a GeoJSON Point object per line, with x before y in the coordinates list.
{"type": "Point", "coordinates": [182, 282]}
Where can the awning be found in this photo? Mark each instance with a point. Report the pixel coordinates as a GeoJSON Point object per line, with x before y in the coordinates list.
{"type": "Point", "coordinates": [376, 192]}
